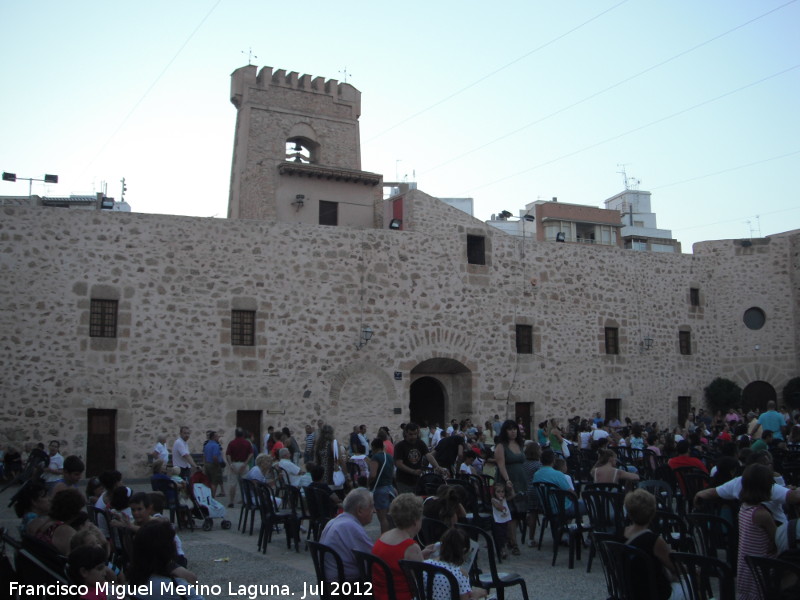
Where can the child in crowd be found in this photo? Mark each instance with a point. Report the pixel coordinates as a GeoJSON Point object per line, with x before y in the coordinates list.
{"type": "Point", "coordinates": [641, 508]}
{"type": "Point", "coordinates": [86, 565]}
{"type": "Point", "coordinates": [467, 466]}
{"type": "Point", "coordinates": [501, 517]}
{"type": "Point", "coordinates": [30, 502]}
{"type": "Point", "coordinates": [120, 510]}
{"type": "Point", "coordinates": [454, 554]}
{"type": "Point", "coordinates": [756, 527]}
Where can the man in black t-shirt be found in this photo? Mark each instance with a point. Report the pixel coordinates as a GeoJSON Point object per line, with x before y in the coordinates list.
{"type": "Point", "coordinates": [408, 455]}
{"type": "Point", "coordinates": [450, 450]}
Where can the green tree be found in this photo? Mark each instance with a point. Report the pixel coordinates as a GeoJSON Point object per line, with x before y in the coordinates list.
{"type": "Point", "coordinates": [791, 393]}
{"type": "Point", "coordinates": [722, 394]}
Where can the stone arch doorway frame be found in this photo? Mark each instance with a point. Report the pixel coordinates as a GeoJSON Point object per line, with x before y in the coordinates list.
{"type": "Point", "coordinates": [765, 373]}
{"type": "Point", "coordinates": [455, 380]}
{"type": "Point", "coordinates": [756, 394]}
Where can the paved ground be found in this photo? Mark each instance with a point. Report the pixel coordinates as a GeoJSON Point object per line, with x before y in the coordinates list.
{"type": "Point", "coordinates": [294, 572]}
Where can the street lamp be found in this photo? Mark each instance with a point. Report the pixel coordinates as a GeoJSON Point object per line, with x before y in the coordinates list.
{"type": "Point", "coordinates": [30, 180]}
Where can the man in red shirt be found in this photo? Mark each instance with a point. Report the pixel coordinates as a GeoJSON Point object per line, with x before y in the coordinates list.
{"type": "Point", "coordinates": [684, 460]}
{"type": "Point", "coordinates": [237, 455]}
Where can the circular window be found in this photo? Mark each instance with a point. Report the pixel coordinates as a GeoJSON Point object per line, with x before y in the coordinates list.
{"type": "Point", "coordinates": [754, 318]}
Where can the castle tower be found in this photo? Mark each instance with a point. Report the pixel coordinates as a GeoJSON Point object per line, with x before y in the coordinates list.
{"type": "Point", "coordinates": [297, 151]}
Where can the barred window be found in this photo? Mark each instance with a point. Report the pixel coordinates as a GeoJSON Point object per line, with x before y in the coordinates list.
{"type": "Point", "coordinates": [612, 340]}
{"type": "Point", "coordinates": [694, 296]}
{"type": "Point", "coordinates": [243, 327]}
{"type": "Point", "coordinates": [103, 318]}
{"type": "Point", "coordinates": [685, 342]}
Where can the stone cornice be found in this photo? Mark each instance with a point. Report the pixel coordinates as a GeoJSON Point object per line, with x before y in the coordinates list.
{"type": "Point", "coordinates": [307, 170]}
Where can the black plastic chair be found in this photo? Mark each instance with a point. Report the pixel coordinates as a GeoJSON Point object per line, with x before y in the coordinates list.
{"type": "Point", "coordinates": [631, 570]}
{"type": "Point", "coordinates": [493, 579]}
{"type": "Point", "coordinates": [603, 487]}
{"type": "Point", "coordinates": [272, 517]}
{"type": "Point", "coordinates": [321, 554]}
{"type": "Point", "coordinates": [428, 483]}
{"type": "Point", "coordinates": [472, 505]}
{"type": "Point", "coordinates": [553, 501]}
{"type": "Point", "coordinates": [431, 531]}
{"type": "Point", "coordinates": [690, 481]}
{"type": "Point", "coordinates": [663, 492]}
{"type": "Point", "coordinates": [250, 504]}
{"type": "Point", "coordinates": [673, 528]}
{"type": "Point", "coordinates": [703, 577]}
{"type": "Point", "coordinates": [770, 573]}
{"type": "Point", "coordinates": [320, 510]}
{"type": "Point", "coordinates": [606, 515]}
{"type": "Point", "coordinates": [716, 535]}
{"type": "Point", "coordinates": [597, 538]}
{"type": "Point", "coordinates": [367, 563]}
{"type": "Point", "coordinates": [420, 577]}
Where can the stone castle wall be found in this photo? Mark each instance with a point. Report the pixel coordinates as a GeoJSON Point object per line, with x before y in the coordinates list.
{"type": "Point", "coordinates": [178, 278]}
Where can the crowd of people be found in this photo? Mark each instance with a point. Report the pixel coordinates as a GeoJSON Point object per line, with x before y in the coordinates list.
{"type": "Point", "coordinates": [364, 475]}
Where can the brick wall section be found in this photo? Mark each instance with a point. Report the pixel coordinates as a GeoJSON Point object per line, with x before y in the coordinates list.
{"type": "Point", "coordinates": [178, 278]}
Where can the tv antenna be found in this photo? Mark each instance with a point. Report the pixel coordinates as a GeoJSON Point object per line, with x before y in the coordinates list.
{"type": "Point", "coordinates": [631, 183]}
{"type": "Point", "coordinates": [250, 56]}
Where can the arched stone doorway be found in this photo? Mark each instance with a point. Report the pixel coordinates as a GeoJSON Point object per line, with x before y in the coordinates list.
{"type": "Point", "coordinates": [756, 395]}
{"type": "Point", "coordinates": [427, 401]}
{"type": "Point", "coordinates": [441, 389]}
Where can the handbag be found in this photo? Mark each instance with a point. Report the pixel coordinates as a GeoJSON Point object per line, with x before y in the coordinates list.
{"type": "Point", "coordinates": [338, 474]}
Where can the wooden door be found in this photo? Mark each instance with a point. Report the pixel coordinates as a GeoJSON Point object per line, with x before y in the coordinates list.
{"type": "Point", "coordinates": [101, 441]}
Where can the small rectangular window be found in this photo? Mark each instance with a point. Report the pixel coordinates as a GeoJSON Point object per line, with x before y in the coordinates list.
{"type": "Point", "coordinates": [524, 339]}
{"type": "Point", "coordinates": [328, 213]}
{"type": "Point", "coordinates": [685, 342]}
{"type": "Point", "coordinates": [243, 327]}
{"type": "Point", "coordinates": [476, 250]}
{"type": "Point", "coordinates": [694, 296]}
{"type": "Point", "coordinates": [612, 340]}
{"type": "Point", "coordinates": [103, 318]}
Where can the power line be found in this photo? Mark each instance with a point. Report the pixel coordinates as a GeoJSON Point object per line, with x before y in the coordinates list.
{"type": "Point", "coordinates": [737, 219]}
{"type": "Point", "coordinates": [149, 89]}
{"type": "Point", "coordinates": [607, 89]}
{"type": "Point", "coordinates": [634, 130]}
{"type": "Point", "coordinates": [728, 170]}
{"type": "Point", "coordinates": [495, 72]}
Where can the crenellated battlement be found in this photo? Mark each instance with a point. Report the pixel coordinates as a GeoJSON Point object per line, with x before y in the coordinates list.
{"type": "Point", "coordinates": [264, 79]}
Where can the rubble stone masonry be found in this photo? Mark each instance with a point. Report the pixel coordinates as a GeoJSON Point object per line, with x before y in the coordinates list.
{"type": "Point", "coordinates": [178, 278]}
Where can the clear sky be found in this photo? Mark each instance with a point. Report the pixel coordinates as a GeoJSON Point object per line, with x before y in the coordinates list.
{"type": "Point", "coordinates": [505, 102]}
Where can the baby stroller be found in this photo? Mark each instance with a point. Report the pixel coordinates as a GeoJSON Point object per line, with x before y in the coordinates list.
{"type": "Point", "coordinates": [204, 506]}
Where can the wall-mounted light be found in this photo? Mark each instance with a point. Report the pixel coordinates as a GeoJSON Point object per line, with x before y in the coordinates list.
{"type": "Point", "coordinates": [366, 336]}
{"type": "Point", "coordinates": [395, 223]}
{"type": "Point", "coordinates": [647, 343]}
{"type": "Point", "coordinates": [299, 201]}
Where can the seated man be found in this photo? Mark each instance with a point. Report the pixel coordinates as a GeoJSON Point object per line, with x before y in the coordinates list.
{"type": "Point", "coordinates": [297, 476]}
{"type": "Point", "coordinates": [346, 533]}
{"type": "Point", "coordinates": [548, 474]}
{"type": "Point", "coordinates": [684, 459]}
